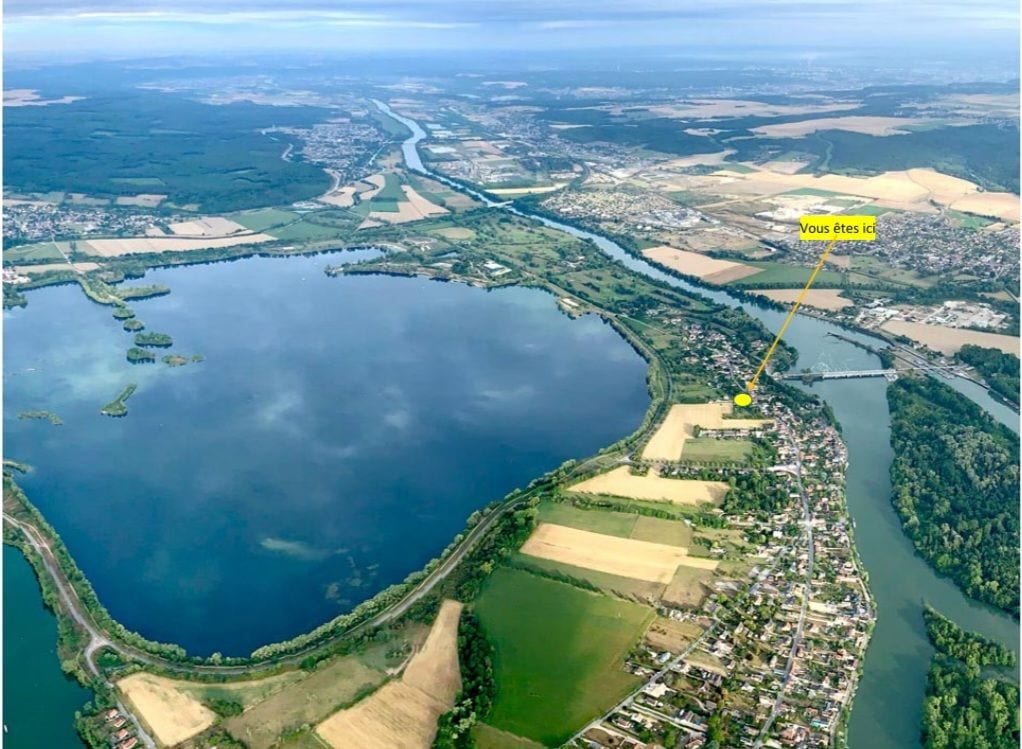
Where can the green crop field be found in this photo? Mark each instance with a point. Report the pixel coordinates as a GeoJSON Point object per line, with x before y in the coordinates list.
{"type": "Point", "coordinates": [597, 521]}
{"type": "Point", "coordinates": [263, 218]}
{"type": "Point", "coordinates": [793, 276]}
{"type": "Point", "coordinates": [391, 189]}
{"type": "Point", "coordinates": [488, 737]}
{"type": "Point", "coordinates": [621, 524]}
{"type": "Point", "coordinates": [32, 253]}
{"type": "Point", "coordinates": [559, 653]}
{"type": "Point", "coordinates": [710, 449]}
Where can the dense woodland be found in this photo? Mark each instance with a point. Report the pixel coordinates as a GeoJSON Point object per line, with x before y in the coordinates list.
{"type": "Point", "coordinates": [1000, 370]}
{"type": "Point", "coordinates": [195, 153]}
{"type": "Point", "coordinates": [956, 486]}
{"type": "Point", "coordinates": [965, 710]}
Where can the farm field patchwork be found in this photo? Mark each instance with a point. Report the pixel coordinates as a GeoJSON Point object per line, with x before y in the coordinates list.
{"type": "Point", "coordinates": [642, 560]}
{"type": "Point", "coordinates": [308, 701]}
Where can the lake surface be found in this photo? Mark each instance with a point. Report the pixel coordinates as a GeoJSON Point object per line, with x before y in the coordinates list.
{"type": "Point", "coordinates": [335, 438]}
{"type": "Point", "coordinates": [39, 701]}
{"type": "Point", "coordinates": [887, 713]}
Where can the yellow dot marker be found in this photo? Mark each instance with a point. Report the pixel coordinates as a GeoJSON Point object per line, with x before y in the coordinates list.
{"type": "Point", "coordinates": [743, 400]}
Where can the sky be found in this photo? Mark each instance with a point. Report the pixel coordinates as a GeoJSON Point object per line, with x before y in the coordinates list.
{"type": "Point", "coordinates": [924, 28]}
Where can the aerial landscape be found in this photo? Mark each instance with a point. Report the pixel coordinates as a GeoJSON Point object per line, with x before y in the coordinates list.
{"type": "Point", "coordinates": [445, 375]}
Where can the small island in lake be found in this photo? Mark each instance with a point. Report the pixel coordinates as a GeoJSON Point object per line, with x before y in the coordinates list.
{"type": "Point", "coordinates": [118, 406]}
{"type": "Point", "coordinates": [42, 416]}
{"type": "Point", "coordinates": [161, 340]}
{"type": "Point", "coordinates": [138, 355]}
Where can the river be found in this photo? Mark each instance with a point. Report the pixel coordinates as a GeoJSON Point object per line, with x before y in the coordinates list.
{"type": "Point", "coordinates": [887, 712]}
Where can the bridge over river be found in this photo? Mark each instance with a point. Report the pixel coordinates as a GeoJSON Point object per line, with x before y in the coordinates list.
{"type": "Point", "coordinates": [854, 374]}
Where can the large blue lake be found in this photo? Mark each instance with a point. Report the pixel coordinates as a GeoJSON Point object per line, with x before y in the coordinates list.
{"type": "Point", "coordinates": [335, 438]}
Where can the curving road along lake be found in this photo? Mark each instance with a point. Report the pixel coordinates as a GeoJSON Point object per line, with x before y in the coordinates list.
{"type": "Point", "coordinates": [335, 438]}
{"type": "Point", "coordinates": [887, 712]}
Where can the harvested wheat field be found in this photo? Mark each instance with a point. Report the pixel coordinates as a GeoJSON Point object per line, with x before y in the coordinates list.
{"type": "Point", "coordinates": [701, 266]}
{"type": "Point", "coordinates": [208, 226]}
{"type": "Point", "coordinates": [1003, 205]}
{"type": "Point", "coordinates": [403, 714]}
{"type": "Point", "coordinates": [621, 482]}
{"type": "Point", "coordinates": [343, 197]}
{"type": "Point", "coordinates": [830, 299]}
{"type": "Point", "coordinates": [679, 425]}
{"type": "Point", "coordinates": [145, 200]}
{"type": "Point", "coordinates": [396, 717]}
{"type": "Point", "coordinates": [170, 714]}
{"type": "Point", "coordinates": [146, 245]}
{"type": "Point", "coordinates": [949, 340]}
{"type": "Point", "coordinates": [370, 186]}
{"type": "Point", "coordinates": [434, 669]}
{"type": "Point", "coordinates": [854, 124]}
{"type": "Point", "coordinates": [639, 560]}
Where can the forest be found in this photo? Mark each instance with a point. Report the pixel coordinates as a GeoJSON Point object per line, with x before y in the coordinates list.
{"type": "Point", "coordinates": [1000, 370]}
{"type": "Point", "coordinates": [955, 475]}
{"type": "Point", "coordinates": [214, 157]}
{"type": "Point", "coordinates": [963, 707]}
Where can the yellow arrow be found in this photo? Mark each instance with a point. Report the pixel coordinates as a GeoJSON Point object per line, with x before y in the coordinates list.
{"type": "Point", "coordinates": [798, 303]}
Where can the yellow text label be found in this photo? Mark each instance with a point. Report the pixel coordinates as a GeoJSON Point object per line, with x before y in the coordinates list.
{"type": "Point", "coordinates": [854, 228]}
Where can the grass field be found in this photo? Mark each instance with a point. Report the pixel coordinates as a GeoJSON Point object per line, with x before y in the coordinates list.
{"type": "Point", "coordinates": [263, 218]}
{"type": "Point", "coordinates": [488, 737]}
{"type": "Point", "coordinates": [620, 524]}
{"type": "Point", "coordinates": [391, 189]}
{"type": "Point", "coordinates": [713, 449]}
{"type": "Point", "coordinates": [598, 521]}
{"type": "Point", "coordinates": [308, 231]}
{"type": "Point", "coordinates": [791, 275]}
{"type": "Point", "coordinates": [558, 653]}
{"type": "Point", "coordinates": [323, 692]}
{"type": "Point", "coordinates": [32, 253]}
